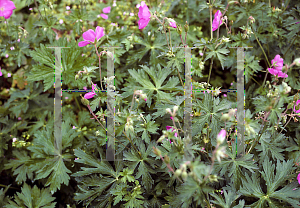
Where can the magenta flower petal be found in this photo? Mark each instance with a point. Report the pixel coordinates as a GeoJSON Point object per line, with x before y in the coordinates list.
{"type": "Point", "coordinates": [175, 134]}
{"type": "Point", "coordinates": [279, 62]}
{"type": "Point", "coordinates": [89, 35]}
{"type": "Point", "coordinates": [298, 178]}
{"type": "Point", "coordinates": [217, 20]}
{"type": "Point", "coordinates": [89, 95]}
{"type": "Point", "coordinates": [297, 103]}
{"type": "Point", "coordinates": [104, 16]}
{"type": "Point", "coordinates": [83, 43]}
{"type": "Point", "coordinates": [143, 23]}
{"type": "Point", "coordinates": [106, 9]}
{"type": "Point", "coordinates": [168, 127]}
{"type": "Point", "coordinates": [99, 32]}
{"type": "Point", "coordinates": [6, 8]}
{"type": "Point", "coordinates": [0, 72]}
{"type": "Point", "coordinates": [173, 24]}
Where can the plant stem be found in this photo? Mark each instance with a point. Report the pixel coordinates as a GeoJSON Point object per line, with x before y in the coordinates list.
{"type": "Point", "coordinates": [286, 124]}
{"type": "Point", "coordinates": [263, 53]}
{"type": "Point", "coordinates": [170, 40]}
{"type": "Point", "coordinates": [99, 56]}
{"type": "Point", "coordinates": [163, 24]}
{"type": "Point", "coordinates": [77, 103]}
{"type": "Point", "coordinates": [38, 8]}
{"type": "Point", "coordinates": [211, 63]}
{"type": "Point", "coordinates": [180, 77]}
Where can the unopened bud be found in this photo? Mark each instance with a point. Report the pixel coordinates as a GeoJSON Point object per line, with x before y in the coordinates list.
{"type": "Point", "coordinates": [225, 117]}
{"type": "Point", "coordinates": [156, 151]}
{"type": "Point", "coordinates": [186, 27]}
{"type": "Point", "coordinates": [184, 175]}
{"type": "Point", "coordinates": [175, 108]}
{"type": "Point", "coordinates": [177, 172]}
{"type": "Point", "coordinates": [179, 29]}
{"type": "Point", "coordinates": [168, 110]}
{"type": "Point", "coordinates": [221, 136]}
{"type": "Point", "coordinates": [213, 178]}
{"type": "Point", "coordinates": [76, 76]}
{"type": "Point", "coordinates": [297, 61]}
{"type": "Point", "coordinates": [84, 101]}
{"type": "Point", "coordinates": [167, 159]}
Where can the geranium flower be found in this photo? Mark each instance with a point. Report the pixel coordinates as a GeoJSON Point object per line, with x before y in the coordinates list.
{"type": "Point", "coordinates": [144, 15]}
{"type": "Point", "coordinates": [279, 62]}
{"type": "Point", "coordinates": [169, 127]}
{"type": "Point", "coordinates": [90, 36]}
{"type": "Point", "coordinates": [90, 95]}
{"type": "Point", "coordinates": [298, 178]}
{"type": "Point", "coordinates": [6, 8]}
{"type": "Point", "coordinates": [217, 20]}
{"type": "Point", "coordinates": [0, 72]}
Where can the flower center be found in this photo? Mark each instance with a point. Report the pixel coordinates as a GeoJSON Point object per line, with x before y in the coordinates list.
{"type": "Point", "coordinates": [2, 9]}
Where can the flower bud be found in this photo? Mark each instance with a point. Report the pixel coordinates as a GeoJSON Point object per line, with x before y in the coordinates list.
{"type": "Point", "coordinates": [225, 117]}
{"type": "Point", "coordinates": [184, 175]}
{"type": "Point", "coordinates": [179, 29]}
{"type": "Point", "coordinates": [177, 173]}
{"type": "Point", "coordinates": [186, 27]}
{"type": "Point", "coordinates": [85, 101]}
{"type": "Point", "coordinates": [221, 136]}
{"type": "Point", "coordinates": [167, 159]}
{"type": "Point", "coordinates": [213, 178]}
{"type": "Point", "coordinates": [297, 61]}
{"type": "Point", "coordinates": [175, 108]}
{"type": "Point", "coordinates": [156, 151]}
{"type": "Point", "coordinates": [168, 110]}
{"type": "Point", "coordinates": [76, 76]}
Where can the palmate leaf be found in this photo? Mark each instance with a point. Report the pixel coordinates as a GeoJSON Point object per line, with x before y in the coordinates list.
{"type": "Point", "coordinates": [229, 201]}
{"type": "Point", "coordinates": [219, 53]}
{"type": "Point", "coordinates": [232, 166]}
{"type": "Point", "coordinates": [283, 197]}
{"type": "Point", "coordinates": [140, 162]}
{"type": "Point", "coordinates": [212, 108]}
{"type": "Point", "coordinates": [32, 197]}
{"type": "Point", "coordinates": [147, 128]}
{"type": "Point", "coordinates": [158, 77]}
{"type": "Point", "coordinates": [270, 145]}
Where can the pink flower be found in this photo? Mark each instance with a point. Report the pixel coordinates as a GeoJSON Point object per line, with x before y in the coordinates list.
{"type": "Point", "coordinates": [131, 14]}
{"type": "Point", "coordinates": [106, 9]}
{"type": "Point", "coordinates": [298, 178]}
{"type": "Point", "coordinates": [67, 7]}
{"type": "Point", "coordinates": [225, 95]}
{"type": "Point", "coordinates": [19, 118]}
{"type": "Point", "coordinates": [169, 127]}
{"type": "Point", "coordinates": [144, 15]}
{"type": "Point", "coordinates": [90, 36]}
{"type": "Point", "coordinates": [18, 40]}
{"type": "Point", "coordinates": [201, 54]}
{"type": "Point", "coordinates": [61, 21]}
{"type": "Point", "coordinates": [90, 95]}
{"type": "Point", "coordinates": [85, 88]}
{"type": "Point", "coordinates": [0, 72]}
{"type": "Point", "coordinates": [221, 136]}
{"type": "Point", "coordinates": [297, 103]}
{"type": "Point", "coordinates": [173, 24]}
{"type": "Point", "coordinates": [30, 9]}
{"type": "Point", "coordinates": [217, 20]}
{"type": "Point", "coordinates": [279, 62]}
{"type": "Point", "coordinates": [6, 8]}
{"type": "Point", "coordinates": [74, 127]}
{"type": "Point", "coordinates": [171, 118]}
{"type": "Point", "coordinates": [8, 74]}
{"type": "Point", "coordinates": [104, 16]}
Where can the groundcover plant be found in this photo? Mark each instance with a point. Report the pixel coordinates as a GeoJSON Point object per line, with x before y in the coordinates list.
{"type": "Point", "coordinates": [149, 103]}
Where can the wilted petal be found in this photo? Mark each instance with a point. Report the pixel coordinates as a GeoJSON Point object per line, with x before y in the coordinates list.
{"type": "Point", "coordinates": [83, 43]}
{"type": "Point", "coordinates": [89, 35]}
{"type": "Point", "coordinates": [106, 9]}
{"type": "Point", "coordinates": [99, 32]}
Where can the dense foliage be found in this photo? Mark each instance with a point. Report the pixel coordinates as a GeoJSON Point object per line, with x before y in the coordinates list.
{"type": "Point", "coordinates": [157, 166]}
